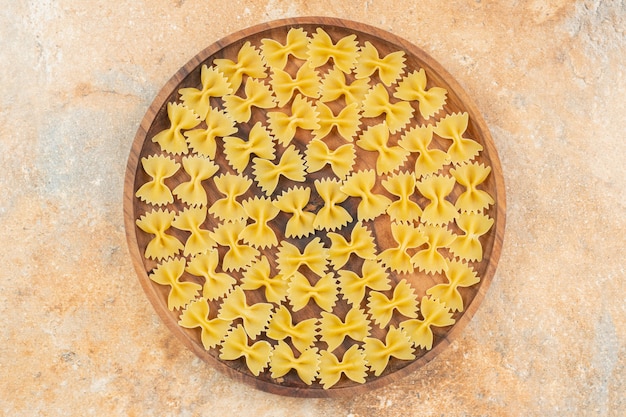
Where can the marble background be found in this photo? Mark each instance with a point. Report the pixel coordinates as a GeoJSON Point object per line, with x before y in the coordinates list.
{"type": "Point", "coordinates": [79, 336]}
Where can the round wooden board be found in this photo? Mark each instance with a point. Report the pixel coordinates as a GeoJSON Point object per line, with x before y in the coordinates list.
{"type": "Point", "coordinates": [156, 120]}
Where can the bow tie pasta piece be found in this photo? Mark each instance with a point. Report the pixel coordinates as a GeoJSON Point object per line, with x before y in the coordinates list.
{"type": "Point", "coordinates": [284, 360]}
{"type": "Point", "coordinates": [374, 276]}
{"type": "Point", "coordinates": [236, 345]}
{"type": "Point", "coordinates": [293, 201]}
{"type": "Point", "coordinates": [181, 292]}
{"type": "Point", "coordinates": [376, 102]}
{"type": "Point", "coordinates": [232, 186]}
{"type": "Point", "coordinates": [190, 220]}
{"type": "Point", "coordinates": [375, 139]}
{"type": "Point", "coordinates": [257, 94]}
{"type": "Point", "coordinates": [216, 284]}
{"type": "Point", "coordinates": [389, 68]}
{"type": "Point", "coordinates": [378, 353]}
{"type": "Point", "coordinates": [436, 188]}
{"type": "Point", "coordinates": [332, 216]}
{"type": "Point", "coordinates": [470, 176]}
{"type": "Point", "coordinates": [238, 255]}
{"type": "Point", "coordinates": [291, 166]}
{"type": "Point", "coordinates": [181, 118]}
{"type": "Point", "coordinates": [199, 169]}
{"type": "Point", "coordinates": [259, 275]}
{"type": "Point", "coordinates": [361, 244]}
{"type": "Point", "coordinates": [334, 86]}
{"type": "Point", "coordinates": [323, 293]}
{"type": "Point", "coordinates": [163, 245]}
{"type": "Point", "coordinates": [429, 161]}
{"type": "Point", "coordinates": [214, 84]}
{"type": "Point", "coordinates": [307, 82]}
{"type": "Point", "coordinates": [413, 87]}
{"type": "Point", "coordinates": [344, 53]}
{"type": "Point", "coordinates": [467, 246]}
{"type": "Point", "coordinates": [258, 233]}
{"type": "Point", "coordinates": [353, 365]}
{"type": "Point", "coordinates": [155, 191]}
{"type": "Point", "coordinates": [402, 185]}
{"type": "Point", "coordinates": [276, 54]}
{"type": "Point", "coordinates": [408, 237]}
{"type": "Point", "coordinates": [302, 334]}
{"type": "Point", "coordinates": [333, 330]}
{"type": "Point", "coordinates": [403, 300]}
{"type": "Point", "coordinates": [452, 127]}
{"type": "Point", "coordinates": [430, 260]}
{"type": "Point", "coordinates": [197, 315]}
{"type": "Point", "coordinates": [255, 317]}
{"type": "Point", "coordinates": [238, 151]}
{"type": "Point", "coordinates": [435, 314]}
{"type": "Point", "coordinates": [218, 124]}
{"type": "Point", "coordinates": [341, 159]}
{"type": "Point", "coordinates": [459, 275]}
{"type": "Point", "coordinates": [303, 115]}
{"type": "Point", "coordinates": [290, 259]}
{"type": "Point", "coordinates": [249, 62]}
{"type": "Point", "coordinates": [360, 185]}
{"type": "Point", "coordinates": [346, 122]}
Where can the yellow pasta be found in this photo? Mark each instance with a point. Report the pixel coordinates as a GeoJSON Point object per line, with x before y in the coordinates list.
{"type": "Point", "coordinates": [293, 201]}
{"type": "Point", "coordinates": [331, 216]}
{"type": "Point", "coordinates": [413, 87]}
{"type": "Point", "coordinates": [436, 188]}
{"type": "Point", "coordinates": [459, 275]}
{"type": "Point", "coordinates": [171, 140]}
{"type": "Point", "coordinates": [199, 169]}
{"type": "Point", "coordinates": [467, 246]}
{"type": "Point", "coordinates": [291, 166]}
{"type": "Point", "coordinates": [257, 94]}
{"type": "Point", "coordinates": [203, 141]}
{"type": "Point", "coordinates": [190, 220]}
{"type": "Point", "coordinates": [378, 353]}
{"type": "Point", "coordinates": [162, 245]}
{"type": "Point", "coordinates": [156, 191]}
{"type": "Point", "coordinates": [259, 275]}
{"type": "Point", "coordinates": [402, 185]}
{"type": "Point", "coordinates": [335, 86]}
{"type": "Point", "coordinates": [389, 67]}
{"type": "Point", "coordinates": [307, 82]}
{"type": "Point", "coordinates": [452, 127]}
{"type": "Point", "coordinates": [214, 84]}
{"type": "Point", "coordinates": [276, 54]}
{"type": "Point", "coordinates": [333, 330]}
{"type": "Point", "coordinates": [284, 126]}
{"type": "Point", "coordinates": [403, 301]}
{"type": "Point", "coordinates": [290, 259]}
{"type": "Point", "coordinates": [353, 365]}
{"type": "Point", "coordinates": [430, 260]}
{"type": "Point", "coordinates": [429, 161]}
{"type": "Point", "coordinates": [340, 160]}
{"type": "Point", "coordinates": [470, 176]}
{"type": "Point", "coordinates": [258, 233]}
{"type": "Point", "coordinates": [249, 62]}
{"type": "Point", "coordinates": [238, 255]}
{"type": "Point", "coordinates": [360, 184]}
{"type": "Point", "coordinates": [216, 284]}
{"type": "Point", "coordinates": [346, 122]}
{"type": "Point", "coordinates": [284, 360]}
{"type": "Point", "coordinates": [238, 151]}
{"type": "Point", "coordinates": [344, 53]}
{"type": "Point", "coordinates": [373, 276]}
{"type": "Point", "coordinates": [434, 314]}
{"type": "Point", "coordinates": [212, 331]}
{"type": "Point", "coordinates": [236, 345]}
{"type": "Point", "coordinates": [255, 317]}
{"type": "Point", "coordinates": [181, 292]}
{"type": "Point", "coordinates": [361, 244]}
{"type": "Point", "coordinates": [232, 186]}
{"type": "Point", "coordinates": [406, 236]}
{"type": "Point", "coordinates": [375, 139]}
{"type": "Point", "coordinates": [302, 334]}
{"type": "Point", "coordinates": [323, 293]}
{"type": "Point", "coordinates": [376, 102]}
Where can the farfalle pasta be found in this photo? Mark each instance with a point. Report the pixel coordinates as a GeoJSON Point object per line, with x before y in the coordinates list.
{"type": "Point", "coordinates": [402, 185]}
{"type": "Point", "coordinates": [406, 236]}
{"type": "Point", "coordinates": [216, 284]}
{"type": "Point", "coordinates": [413, 87]}
{"type": "Point", "coordinates": [258, 233]}
{"type": "Point", "coordinates": [255, 317]}
{"type": "Point", "coordinates": [335, 86]}
{"type": "Point", "coordinates": [331, 216]}
{"type": "Point", "coordinates": [344, 53]}
{"type": "Point", "coordinates": [191, 220]}
{"type": "Point", "coordinates": [277, 54]}
{"type": "Point", "coordinates": [373, 276]}
{"type": "Point", "coordinates": [293, 201]}
{"type": "Point", "coordinates": [169, 273]}
{"type": "Point", "coordinates": [361, 244]}
{"type": "Point", "coordinates": [306, 81]}
{"type": "Point", "coordinates": [290, 259]}
{"type": "Point", "coordinates": [459, 275]}
{"type": "Point", "coordinates": [203, 141]}
{"type": "Point", "coordinates": [157, 223]}
{"type": "Point", "coordinates": [301, 334]}
{"type": "Point", "coordinates": [347, 121]}
{"type": "Point", "coordinates": [238, 151]}
{"type": "Point", "coordinates": [341, 160]}
{"type": "Point", "coordinates": [439, 210]}
{"type": "Point", "coordinates": [171, 140]}
{"type": "Point", "coordinates": [199, 169]}
{"type": "Point", "coordinates": [452, 127]}
{"type": "Point", "coordinates": [360, 184]}
{"type": "Point", "coordinates": [378, 353]}
{"type": "Point", "coordinates": [249, 63]}
{"type": "Point", "coordinates": [231, 186]}
{"type": "Point", "coordinates": [267, 174]}
{"type": "Point", "coordinates": [283, 360]}
{"type": "Point", "coordinates": [467, 246]}
{"type": "Point", "coordinates": [303, 115]}
{"type": "Point", "coordinates": [214, 84]}
{"type": "Point", "coordinates": [377, 102]}
{"type": "Point", "coordinates": [257, 94]}
{"type": "Point", "coordinates": [196, 315]}
{"type": "Point", "coordinates": [389, 67]}
{"type": "Point", "coordinates": [156, 191]}
{"type": "Point", "coordinates": [419, 331]}
{"type": "Point", "coordinates": [236, 345]}
{"type": "Point", "coordinates": [259, 275]}
{"type": "Point", "coordinates": [353, 365]}
{"type": "Point", "coordinates": [429, 161]}
{"type": "Point", "coordinates": [324, 292]}
{"type": "Point", "coordinates": [430, 260]}
{"type": "Point", "coordinates": [333, 329]}
{"type": "Point", "coordinates": [375, 139]}
{"type": "Point", "coordinates": [471, 176]}
{"type": "Point", "coordinates": [403, 300]}
{"type": "Point", "coordinates": [238, 255]}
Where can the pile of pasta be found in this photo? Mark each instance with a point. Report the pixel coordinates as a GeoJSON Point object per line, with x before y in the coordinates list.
{"type": "Point", "coordinates": [295, 198]}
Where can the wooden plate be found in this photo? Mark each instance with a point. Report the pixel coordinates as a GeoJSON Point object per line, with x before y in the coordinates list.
{"type": "Point", "coordinates": [156, 120]}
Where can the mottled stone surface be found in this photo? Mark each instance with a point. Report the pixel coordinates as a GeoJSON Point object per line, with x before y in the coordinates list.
{"type": "Point", "coordinates": [78, 334]}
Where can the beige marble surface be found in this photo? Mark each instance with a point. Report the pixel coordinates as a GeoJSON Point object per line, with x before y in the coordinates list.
{"type": "Point", "coordinates": [79, 337]}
